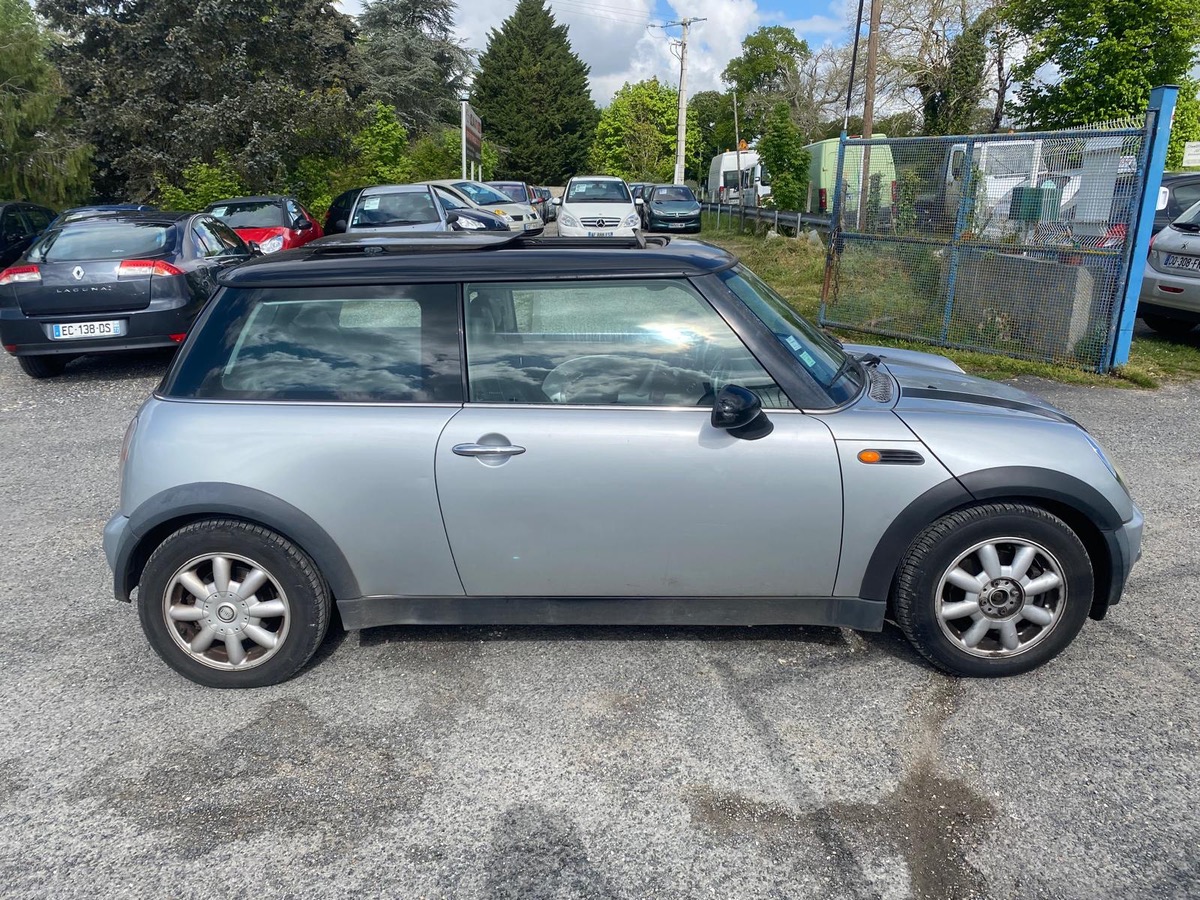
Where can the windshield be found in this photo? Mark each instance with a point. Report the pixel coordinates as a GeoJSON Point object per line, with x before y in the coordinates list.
{"type": "Point", "coordinates": [1190, 220]}
{"type": "Point", "coordinates": [678, 194]}
{"type": "Point", "coordinates": [481, 193]}
{"type": "Point", "coordinates": [821, 356]}
{"type": "Point", "coordinates": [399, 208]}
{"type": "Point", "coordinates": [606, 191]}
{"type": "Point", "coordinates": [253, 214]}
{"type": "Point", "coordinates": [515, 191]}
{"type": "Point", "coordinates": [103, 240]}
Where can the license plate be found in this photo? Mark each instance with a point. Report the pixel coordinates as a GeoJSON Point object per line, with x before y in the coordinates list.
{"type": "Point", "coordinates": [601, 233]}
{"type": "Point", "coordinates": [1183, 262]}
{"type": "Point", "coordinates": [74, 331]}
{"type": "Point", "coordinates": [677, 224]}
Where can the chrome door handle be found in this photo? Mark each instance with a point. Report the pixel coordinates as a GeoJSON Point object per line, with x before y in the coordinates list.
{"type": "Point", "coordinates": [487, 450]}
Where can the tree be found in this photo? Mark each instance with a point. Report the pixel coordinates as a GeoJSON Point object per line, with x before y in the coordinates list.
{"type": "Point", "coordinates": [1107, 55]}
{"type": "Point", "coordinates": [781, 150]}
{"type": "Point", "coordinates": [412, 61]}
{"type": "Point", "coordinates": [1186, 126]}
{"type": "Point", "coordinates": [637, 133]}
{"type": "Point", "coordinates": [39, 158]}
{"type": "Point", "coordinates": [767, 66]}
{"type": "Point", "coordinates": [711, 113]}
{"type": "Point", "coordinates": [157, 85]}
{"type": "Point", "coordinates": [952, 88]}
{"type": "Point", "coordinates": [531, 92]}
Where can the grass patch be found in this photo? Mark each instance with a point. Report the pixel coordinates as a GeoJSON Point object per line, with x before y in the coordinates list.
{"type": "Point", "coordinates": [796, 270]}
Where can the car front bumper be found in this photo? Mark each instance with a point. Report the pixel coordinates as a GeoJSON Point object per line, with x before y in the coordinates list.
{"type": "Point", "coordinates": [584, 231]}
{"type": "Point", "coordinates": [684, 226]}
{"type": "Point", "coordinates": [119, 541]}
{"type": "Point", "coordinates": [1124, 549]}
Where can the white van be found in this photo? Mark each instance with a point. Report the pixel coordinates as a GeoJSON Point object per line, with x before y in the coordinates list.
{"type": "Point", "coordinates": [724, 183]}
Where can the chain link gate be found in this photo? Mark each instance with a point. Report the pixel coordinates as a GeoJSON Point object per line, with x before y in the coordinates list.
{"type": "Point", "coordinates": [1018, 244]}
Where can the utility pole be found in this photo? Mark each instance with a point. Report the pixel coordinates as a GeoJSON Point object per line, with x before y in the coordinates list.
{"type": "Point", "coordinates": [681, 128]}
{"type": "Point", "coordinates": [737, 145]}
{"type": "Point", "coordinates": [869, 111]}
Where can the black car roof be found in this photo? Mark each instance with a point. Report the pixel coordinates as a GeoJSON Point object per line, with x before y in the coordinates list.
{"type": "Point", "coordinates": [434, 256]}
{"type": "Point", "coordinates": [133, 215]}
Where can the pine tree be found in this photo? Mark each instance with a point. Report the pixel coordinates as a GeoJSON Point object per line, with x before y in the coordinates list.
{"type": "Point", "coordinates": [532, 94]}
{"type": "Point", "coordinates": [413, 62]}
{"type": "Point", "coordinates": [40, 159]}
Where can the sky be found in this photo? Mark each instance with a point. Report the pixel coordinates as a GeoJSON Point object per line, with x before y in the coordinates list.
{"type": "Point", "coordinates": [620, 42]}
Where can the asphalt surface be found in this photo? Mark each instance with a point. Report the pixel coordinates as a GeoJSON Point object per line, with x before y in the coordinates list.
{"type": "Point", "coordinates": [546, 762]}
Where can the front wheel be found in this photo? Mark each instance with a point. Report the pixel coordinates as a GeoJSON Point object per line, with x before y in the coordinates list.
{"type": "Point", "coordinates": [994, 590]}
{"type": "Point", "coordinates": [230, 604]}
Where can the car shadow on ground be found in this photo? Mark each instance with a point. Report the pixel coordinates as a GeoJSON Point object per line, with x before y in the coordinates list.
{"type": "Point", "coordinates": [126, 366]}
{"type": "Point", "coordinates": [889, 642]}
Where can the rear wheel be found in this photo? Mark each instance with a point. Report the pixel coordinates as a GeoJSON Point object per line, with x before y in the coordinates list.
{"type": "Point", "coordinates": [994, 590]}
{"type": "Point", "coordinates": [42, 366]}
{"type": "Point", "coordinates": [1169, 326]}
{"type": "Point", "coordinates": [230, 604]}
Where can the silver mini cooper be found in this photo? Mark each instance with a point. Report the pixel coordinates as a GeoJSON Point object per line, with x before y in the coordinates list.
{"type": "Point", "coordinates": [466, 429]}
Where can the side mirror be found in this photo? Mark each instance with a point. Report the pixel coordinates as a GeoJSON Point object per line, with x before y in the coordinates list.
{"type": "Point", "coordinates": [638, 201]}
{"type": "Point", "coordinates": [301, 225]}
{"type": "Point", "coordinates": [255, 248]}
{"type": "Point", "coordinates": [739, 411]}
{"type": "Point", "coordinates": [557, 201]}
{"type": "Point", "coordinates": [340, 225]}
{"type": "Point", "coordinates": [451, 217]}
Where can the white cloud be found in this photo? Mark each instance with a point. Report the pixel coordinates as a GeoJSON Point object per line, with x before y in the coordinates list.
{"type": "Point", "coordinates": [613, 37]}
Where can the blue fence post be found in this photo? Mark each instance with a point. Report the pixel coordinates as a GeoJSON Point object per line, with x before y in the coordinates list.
{"type": "Point", "coordinates": [1161, 109]}
{"type": "Point", "coordinates": [966, 200]}
{"type": "Point", "coordinates": [835, 230]}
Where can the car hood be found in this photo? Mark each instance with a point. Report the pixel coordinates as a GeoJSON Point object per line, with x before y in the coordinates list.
{"type": "Point", "coordinates": [675, 206]}
{"type": "Point", "coordinates": [932, 383]}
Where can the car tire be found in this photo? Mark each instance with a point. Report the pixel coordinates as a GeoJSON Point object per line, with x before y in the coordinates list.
{"type": "Point", "coordinates": [1168, 326]}
{"type": "Point", "coordinates": [197, 628]}
{"type": "Point", "coordinates": [43, 366]}
{"type": "Point", "coordinates": [1008, 631]}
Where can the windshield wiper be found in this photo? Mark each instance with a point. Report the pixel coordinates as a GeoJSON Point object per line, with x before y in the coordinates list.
{"type": "Point", "coordinates": [1186, 226]}
{"type": "Point", "coordinates": [871, 360]}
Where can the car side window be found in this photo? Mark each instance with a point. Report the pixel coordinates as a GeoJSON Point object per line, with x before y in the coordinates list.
{"type": "Point", "coordinates": [207, 243]}
{"type": "Point", "coordinates": [1186, 195]}
{"type": "Point", "coordinates": [360, 344]}
{"type": "Point", "coordinates": [12, 225]}
{"type": "Point", "coordinates": [39, 218]}
{"type": "Point", "coordinates": [449, 200]}
{"type": "Point", "coordinates": [231, 244]}
{"type": "Point", "coordinates": [625, 343]}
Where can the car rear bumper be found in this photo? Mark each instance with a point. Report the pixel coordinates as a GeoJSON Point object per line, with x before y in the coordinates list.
{"type": "Point", "coordinates": [1170, 291]}
{"type": "Point", "coordinates": [24, 335]}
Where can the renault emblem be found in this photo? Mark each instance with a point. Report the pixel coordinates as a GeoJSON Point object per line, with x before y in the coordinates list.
{"type": "Point", "coordinates": [77, 273]}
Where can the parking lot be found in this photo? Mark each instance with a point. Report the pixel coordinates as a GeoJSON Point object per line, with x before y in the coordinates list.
{"type": "Point", "coordinates": [584, 762]}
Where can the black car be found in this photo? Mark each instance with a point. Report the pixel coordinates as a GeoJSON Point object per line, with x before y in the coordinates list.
{"type": "Point", "coordinates": [669, 207]}
{"type": "Point", "coordinates": [114, 283]}
{"type": "Point", "coordinates": [20, 223]}
{"type": "Point", "coordinates": [1179, 191]}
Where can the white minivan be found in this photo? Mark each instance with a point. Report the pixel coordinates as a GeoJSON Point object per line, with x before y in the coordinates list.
{"type": "Point", "coordinates": [597, 206]}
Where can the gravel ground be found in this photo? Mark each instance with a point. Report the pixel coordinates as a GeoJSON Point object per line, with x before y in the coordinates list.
{"type": "Point", "coordinates": [583, 762]}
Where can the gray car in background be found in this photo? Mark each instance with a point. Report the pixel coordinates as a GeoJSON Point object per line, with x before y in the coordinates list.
{"type": "Point", "coordinates": [1170, 297]}
{"type": "Point", "coordinates": [486, 429]}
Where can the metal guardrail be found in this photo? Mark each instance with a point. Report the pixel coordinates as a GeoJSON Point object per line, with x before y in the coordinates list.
{"type": "Point", "coordinates": [775, 217]}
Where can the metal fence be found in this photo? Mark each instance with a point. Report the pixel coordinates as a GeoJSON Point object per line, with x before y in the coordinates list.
{"type": "Point", "coordinates": [1018, 244]}
{"type": "Point", "coordinates": [729, 213]}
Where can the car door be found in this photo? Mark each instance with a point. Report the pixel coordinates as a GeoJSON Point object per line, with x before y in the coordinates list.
{"type": "Point", "coordinates": [585, 464]}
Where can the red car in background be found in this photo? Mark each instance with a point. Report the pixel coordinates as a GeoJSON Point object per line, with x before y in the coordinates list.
{"type": "Point", "coordinates": [273, 222]}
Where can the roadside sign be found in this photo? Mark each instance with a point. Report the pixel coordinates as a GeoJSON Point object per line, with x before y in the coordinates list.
{"type": "Point", "coordinates": [1191, 154]}
{"type": "Point", "coordinates": [472, 137]}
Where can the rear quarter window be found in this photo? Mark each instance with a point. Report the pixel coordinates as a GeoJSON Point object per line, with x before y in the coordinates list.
{"type": "Point", "coordinates": [376, 344]}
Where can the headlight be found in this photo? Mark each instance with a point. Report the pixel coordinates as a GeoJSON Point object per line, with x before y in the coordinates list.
{"type": "Point", "coordinates": [1108, 463]}
{"type": "Point", "coordinates": [631, 220]}
{"type": "Point", "coordinates": [469, 224]}
{"type": "Point", "coordinates": [569, 220]}
{"type": "Point", "coordinates": [272, 244]}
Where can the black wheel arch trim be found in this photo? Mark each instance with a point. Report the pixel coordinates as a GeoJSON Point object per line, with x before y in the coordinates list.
{"type": "Point", "coordinates": [1001, 483]}
{"type": "Point", "coordinates": [185, 503]}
